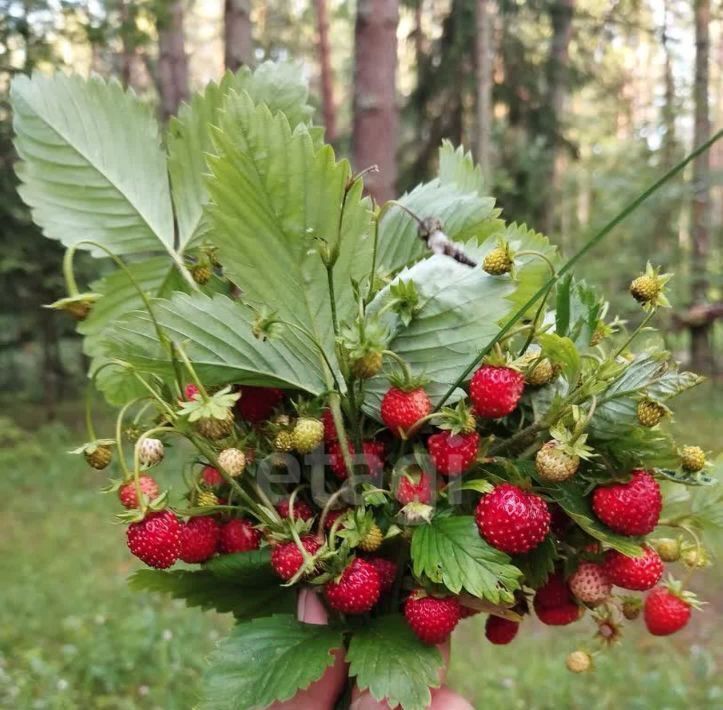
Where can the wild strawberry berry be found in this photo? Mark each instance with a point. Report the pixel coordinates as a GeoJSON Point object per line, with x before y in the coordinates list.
{"type": "Point", "coordinates": [387, 571]}
{"type": "Point", "coordinates": [636, 573]}
{"type": "Point", "coordinates": [372, 541]}
{"type": "Point", "coordinates": [431, 618]}
{"type": "Point", "coordinates": [692, 458]}
{"type": "Point", "coordinates": [307, 434]}
{"type": "Point", "coordinates": [333, 516]}
{"type": "Point", "coordinates": [128, 493]}
{"type": "Point", "coordinates": [373, 452]}
{"type": "Point", "coordinates": [631, 608]}
{"type": "Point", "coordinates": [590, 583]}
{"type": "Point", "coordinates": [284, 442]}
{"type": "Point", "coordinates": [302, 510]}
{"type": "Point", "coordinates": [201, 273]}
{"type": "Point", "coordinates": [500, 631]}
{"type": "Point", "coordinates": [645, 288]}
{"type": "Point", "coordinates": [668, 548]}
{"type": "Point", "coordinates": [190, 391]}
{"type": "Point", "coordinates": [211, 476]}
{"type": "Point", "coordinates": [650, 413]}
{"type": "Point", "coordinates": [336, 460]}
{"type": "Point", "coordinates": [257, 403]}
{"type": "Point", "coordinates": [357, 590]}
{"type": "Point", "coordinates": [286, 558]}
{"type": "Point", "coordinates": [498, 261]}
{"type": "Point", "coordinates": [414, 486]}
{"type": "Point", "coordinates": [374, 456]}
{"type": "Point", "coordinates": [540, 372]}
{"type": "Point", "coordinates": [156, 540]}
{"type": "Point", "coordinates": [98, 456]}
{"type": "Point", "coordinates": [214, 428]}
{"type": "Point", "coordinates": [150, 452]}
{"type": "Point", "coordinates": [578, 662]}
{"type": "Point", "coordinates": [496, 391]}
{"type": "Point", "coordinates": [631, 508]}
{"type": "Point", "coordinates": [453, 454]}
{"type": "Point", "coordinates": [232, 461]}
{"type": "Point", "coordinates": [467, 611]}
{"type": "Point", "coordinates": [368, 365]}
{"type": "Point", "coordinates": [554, 464]}
{"type": "Point", "coordinates": [401, 409]}
{"type": "Point", "coordinates": [512, 520]}
{"type": "Point", "coordinates": [206, 499]}
{"type": "Point", "coordinates": [199, 539]}
{"type": "Point", "coordinates": [554, 603]}
{"type": "Point", "coordinates": [238, 535]}
{"type": "Point", "coordinates": [665, 612]}
{"type": "Point", "coordinates": [327, 419]}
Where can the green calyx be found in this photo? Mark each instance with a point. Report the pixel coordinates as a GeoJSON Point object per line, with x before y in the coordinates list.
{"type": "Point", "coordinates": [216, 406]}
{"type": "Point", "coordinates": [458, 419]}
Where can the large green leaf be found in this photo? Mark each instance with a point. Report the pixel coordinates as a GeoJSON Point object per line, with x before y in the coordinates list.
{"type": "Point", "coordinates": [279, 85]}
{"type": "Point", "coordinates": [92, 164]}
{"type": "Point", "coordinates": [460, 309]}
{"type": "Point", "coordinates": [265, 660]}
{"type": "Point", "coordinates": [388, 659]}
{"type": "Point", "coordinates": [216, 333]}
{"type": "Point", "coordinates": [248, 568]}
{"type": "Point", "coordinates": [275, 197]}
{"type": "Point", "coordinates": [450, 551]}
{"type": "Point", "coordinates": [454, 198]}
{"type": "Point", "coordinates": [204, 589]}
{"type": "Point", "coordinates": [650, 374]}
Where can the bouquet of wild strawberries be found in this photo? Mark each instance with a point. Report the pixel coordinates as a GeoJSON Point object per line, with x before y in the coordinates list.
{"type": "Point", "coordinates": [413, 409]}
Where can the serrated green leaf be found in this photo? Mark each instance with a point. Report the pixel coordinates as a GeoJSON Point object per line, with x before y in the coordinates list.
{"type": "Point", "coordinates": [457, 167]}
{"type": "Point", "coordinates": [92, 166]}
{"type": "Point", "coordinates": [388, 659]}
{"type": "Point", "coordinates": [279, 85]}
{"type": "Point", "coordinates": [247, 568]}
{"type": "Point", "coordinates": [276, 199]}
{"type": "Point", "coordinates": [458, 312]}
{"type": "Point", "coordinates": [570, 497]}
{"type": "Point", "coordinates": [450, 551]}
{"type": "Point", "coordinates": [216, 333]}
{"type": "Point", "coordinates": [267, 660]}
{"type": "Point", "coordinates": [562, 351]}
{"type": "Point", "coordinates": [204, 589]}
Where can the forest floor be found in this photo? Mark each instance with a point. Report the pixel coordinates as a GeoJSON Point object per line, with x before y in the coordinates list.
{"type": "Point", "coordinates": [73, 636]}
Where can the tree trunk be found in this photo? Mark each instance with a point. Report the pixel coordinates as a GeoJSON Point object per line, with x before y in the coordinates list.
{"type": "Point", "coordinates": [701, 355]}
{"type": "Point", "coordinates": [237, 35]}
{"type": "Point", "coordinates": [375, 101]}
{"type": "Point", "coordinates": [484, 60]}
{"type": "Point", "coordinates": [561, 13]}
{"type": "Point", "coordinates": [172, 60]}
{"type": "Point", "coordinates": [327, 77]}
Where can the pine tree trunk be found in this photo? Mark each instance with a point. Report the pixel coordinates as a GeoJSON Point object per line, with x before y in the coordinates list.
{"type": "Point", "coordinates": [701, 355]}
{"type": "Point", "coordinates": [327, 77]}
{"type": "Point", "coordinates": [237, 34]}
{"type": "Point", "coordinates": [172, 61]}
{"type": "Point", "coordinates": [561, 14]}
{"type": "Point", "coordinates": [375, 101]}
{"type": "Point", "coordinates": [484, 60]}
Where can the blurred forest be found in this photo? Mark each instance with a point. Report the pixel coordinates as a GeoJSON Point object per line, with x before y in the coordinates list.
{"type": "Point", "coordinates": [572, 107]}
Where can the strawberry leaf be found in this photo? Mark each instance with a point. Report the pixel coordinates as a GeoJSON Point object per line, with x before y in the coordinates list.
{"type": "Point", "coordinates": [388, 659]}
{"type": "Point", "coordinates": [267, 660]}
{"type": "Point", "coordinates": [247, 568]}
{"type": "Point", "coordinates": [538, 564]}
{"type": "Point", "coordinates": [204, 589]}
{"type": "Point", "coordinates": [450, 551]}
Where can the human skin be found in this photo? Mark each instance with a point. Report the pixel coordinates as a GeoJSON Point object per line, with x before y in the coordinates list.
{"type": "Point", "coordinates": [322, 694]}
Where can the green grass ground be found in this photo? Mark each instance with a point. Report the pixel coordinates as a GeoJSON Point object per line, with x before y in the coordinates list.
{"type": "Point", "coordinates": [73, 636]}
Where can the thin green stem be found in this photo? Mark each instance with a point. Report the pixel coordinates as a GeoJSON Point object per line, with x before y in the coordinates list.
{"type": "Point", "coordinates": [119, 438]}
{"type": "Point", "coordinates": [70, 283]}
{"type": "Point", "coordinates": [634, 334]}
{"type": "Point", "coordinates": [539, 255]}
{"type": "Point", "coordinates": [196, 379]}
{"type": "Point", "coordinates": [590, 244]}
{"type": "Point", "coordinates": [89, 415]}
{"type": "Point", "coordinates": [332, 299]}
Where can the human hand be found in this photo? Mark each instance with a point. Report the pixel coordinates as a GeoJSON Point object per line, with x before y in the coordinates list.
{"type": "Point", "coordinates": [322, 694]}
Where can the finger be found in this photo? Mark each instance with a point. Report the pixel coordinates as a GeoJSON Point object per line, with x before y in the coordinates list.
{"type": "Point", "coordinates": [309, 608]}
{"type": "Point", "coordinates": [446, 699]}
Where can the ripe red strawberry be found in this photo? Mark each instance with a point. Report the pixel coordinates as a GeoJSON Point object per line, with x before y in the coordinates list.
{"type": "Point", "coordinates": [665, 612]}
{"type": "Point", "coordinates": [286, 558]}
{"type": "Point", "coordinates": [387, 571]}
{"type": "Point", "coordinates": [257, 403]}
{"type": "Point", "coordinates": [190, 391]}
{"type": "Point", "coordinates": [357, 590]}
{"type": "Point", "coordinates": [238, 535]}
{"type": "Point", "coordinates": [432, 619]}
{"type": "Point", "coordinates": [302, 510]}
{"type": "Point", "coordinates": [636, 573]}
{"type": "Point", "coordinates": [128, 495]}
{"type": "Point", "coordinates": [414, 486]}
{"type": "Point", "coordinates": [211, 476]}
{"type": "Point", "coordinates": [554, 603]}
{"type": "Point", "coordinates": [329, 427]}
{"type": "Point", "coordinates": [452, 454]}
{"type": "Point", "coordinates": [590, 583]}
{"type": "Point", "coordinates": [512, 520]}
{"type": "Point", "coordinates": [336, 460]}
{"type": "Point", "coordinates": [401, 409]}
{"type": "Point", "coordinates": [199, 539]}
{"type": "Point", "coordinates": [500, 631]}
{"type": "Point", "coordinates": [495, 391]}
{"type": "Point", "coordinates": [373, 452]}
{"type": "Point", "coordinates": [631, 508]}
{"type": "Point", "coordinates": [156, 540]}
